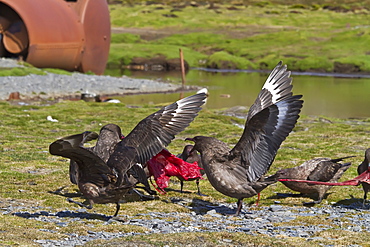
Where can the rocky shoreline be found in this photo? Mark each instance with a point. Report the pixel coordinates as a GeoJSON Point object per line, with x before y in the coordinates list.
{"type": "Point", "coordinates": [52, 86]}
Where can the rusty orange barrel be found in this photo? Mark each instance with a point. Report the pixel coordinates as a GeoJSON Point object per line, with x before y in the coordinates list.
{"type": "Point", "coordinates": [73, 35]}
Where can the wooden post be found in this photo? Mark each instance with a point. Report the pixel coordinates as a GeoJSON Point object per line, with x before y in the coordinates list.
{"type": "Point", "coordinates": [182, 71]}
{"type": "Point", "coordinates": [182, 68]}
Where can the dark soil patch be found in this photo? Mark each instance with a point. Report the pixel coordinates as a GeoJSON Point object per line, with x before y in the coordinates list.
{"type": "Point", "coordinates": [160, 63]}
{"type": "Point", "coordinates": [345, 68]}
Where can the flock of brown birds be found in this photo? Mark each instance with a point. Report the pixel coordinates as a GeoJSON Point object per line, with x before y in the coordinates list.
{"type": "Point", "coordinates": [115, 167]}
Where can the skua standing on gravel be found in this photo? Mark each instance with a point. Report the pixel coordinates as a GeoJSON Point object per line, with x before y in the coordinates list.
{"type": "Point", "coordinates": [239, 172]}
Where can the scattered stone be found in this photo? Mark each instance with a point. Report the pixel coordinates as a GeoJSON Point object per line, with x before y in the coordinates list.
{"type": "Point", "coordinates": [275, 208]}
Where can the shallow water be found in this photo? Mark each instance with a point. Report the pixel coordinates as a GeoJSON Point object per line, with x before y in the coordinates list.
{"type": "Point", "coordinates": [323, 95]}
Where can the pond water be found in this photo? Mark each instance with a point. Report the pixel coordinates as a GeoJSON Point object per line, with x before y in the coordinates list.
{"type": "Point", "coordinates": [323, 95]}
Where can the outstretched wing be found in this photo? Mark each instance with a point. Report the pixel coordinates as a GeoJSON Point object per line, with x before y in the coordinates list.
{"type": "Point", "coordinates": [90, 166]}
{"type": "Point", "coordinates": [277, 87]}
{"type": "Point", "coordinates": [270, 120]}
{"type": "Point", "coordinates": [156, 131]}
{"type": "Point", "coordinates": [78, 141]}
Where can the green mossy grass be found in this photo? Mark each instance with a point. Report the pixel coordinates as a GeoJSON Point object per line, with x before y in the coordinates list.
{"type": "Point", "coordinates": [29, 173]}
{"type": "Point", "coordinates": [29, 69]}
{"type": "Point", "coordinates": [122, 54]}
{"type": "Point", "coordinates": [20, 71]}
{"type": "Point", "coordinates": [309, 37]}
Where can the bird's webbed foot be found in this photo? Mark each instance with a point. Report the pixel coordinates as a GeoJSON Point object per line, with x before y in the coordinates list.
{"type": "Point", "coordinates": [70, 200]}
{"type": "Point", "coordinates": [308, 204]}
{"type": "Point", "coordinates": [144, 197]}
{"type": "Point", "coordinates": [201, 194]}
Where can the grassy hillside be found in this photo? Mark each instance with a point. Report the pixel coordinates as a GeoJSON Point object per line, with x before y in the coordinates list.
{"type": "Point", "coordinates": [323, 36]}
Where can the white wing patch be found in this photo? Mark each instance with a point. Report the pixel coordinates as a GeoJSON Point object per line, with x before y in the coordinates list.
{"type": "Point", "coordinates": [205, 91]}
{"type": "Point", "coordinates": [183, 103]}
{"type": "Point", "coordinates": [273, 84]}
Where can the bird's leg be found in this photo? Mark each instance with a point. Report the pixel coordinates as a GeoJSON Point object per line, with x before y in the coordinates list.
{"type": "Point", "coordinates": [258, 198]}
{"type": "Point", "coordinates": [239, 208]}
{"type": "Point", "coordinates": [181, 186]}
{"type": "Point", "coordinates": [147, 187]}
{"type": "Point", "coordinates": [199, 193]}
{"type": "Point", "coordinates": [81, 204]}
{"type": "Point", "coordinates": [364, 201]}
{"type": "Point", "coordinates": [118, 206]}
{"type": "Point", "coordinates": [161, 191]}
{"type": "Point", "coordinates": [318, 201]}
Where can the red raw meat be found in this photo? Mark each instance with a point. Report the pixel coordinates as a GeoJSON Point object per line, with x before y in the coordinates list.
{"type": "Point", "coordinates": [164, 165]}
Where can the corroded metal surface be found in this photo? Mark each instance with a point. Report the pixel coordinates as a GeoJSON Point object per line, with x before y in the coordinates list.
{"type": "Point", "coordinates": [74, 35]}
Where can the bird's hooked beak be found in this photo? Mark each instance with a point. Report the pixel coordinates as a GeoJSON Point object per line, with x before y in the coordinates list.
{"type": "Point", "coordinates": [192, 140]}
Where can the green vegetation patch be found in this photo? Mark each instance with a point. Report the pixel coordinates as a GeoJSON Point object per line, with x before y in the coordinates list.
{"type": "Point", "coordinates": [27, 70]}
{"type": "Point", "coordinates": [224, 60]}
{"type": "Point", "coordinates": [20, 71]}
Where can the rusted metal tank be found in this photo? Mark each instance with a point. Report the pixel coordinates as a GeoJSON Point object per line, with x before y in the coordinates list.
{"type": "Point", "coordinates": [70, 35]}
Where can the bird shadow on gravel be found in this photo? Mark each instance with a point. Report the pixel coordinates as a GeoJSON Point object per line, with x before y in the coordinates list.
{"type": "Point", "coordinates": [352, 203]}
{"type": "Point", "coordinates": [64, 214]}
{"type": "Point", "coordinates": [203, 207]}
{"type": "Point", "coordinates": [80, 214]}
{"type": "Point", "coordinates": [307, 203]}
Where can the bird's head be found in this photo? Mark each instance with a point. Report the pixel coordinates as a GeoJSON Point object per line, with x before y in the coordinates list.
{"type": "Point", "coordinates": [201, 143]}
{"type": "Point", "coordinates": [283, 173]}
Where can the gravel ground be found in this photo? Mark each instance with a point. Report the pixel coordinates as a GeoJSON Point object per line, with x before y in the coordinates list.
{"type": "Point", "coordinates": [54, 85]}
{"type": "Point", "coordinates": [204, 217]}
